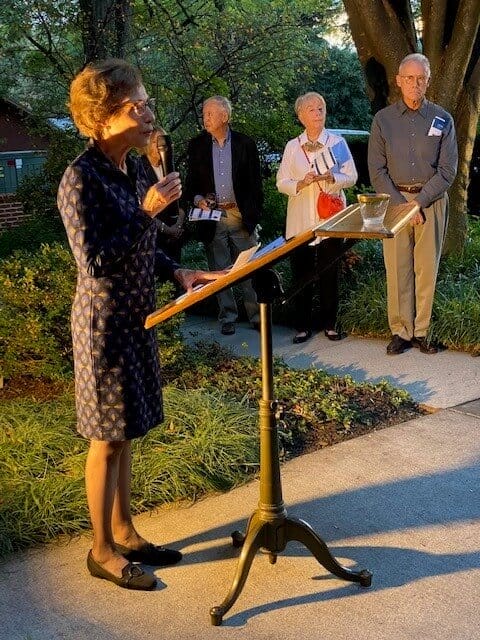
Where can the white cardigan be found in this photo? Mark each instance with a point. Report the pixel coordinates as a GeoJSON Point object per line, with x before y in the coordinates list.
{"type": "Point", "coordinates": [302, 206]}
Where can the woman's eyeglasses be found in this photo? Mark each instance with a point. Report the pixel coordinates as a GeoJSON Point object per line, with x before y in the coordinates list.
{"type": "Point", "coordinates": [139, 106]}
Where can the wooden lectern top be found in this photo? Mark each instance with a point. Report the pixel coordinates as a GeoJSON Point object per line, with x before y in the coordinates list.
{"type": "Point", "coordinates": [345, 224]}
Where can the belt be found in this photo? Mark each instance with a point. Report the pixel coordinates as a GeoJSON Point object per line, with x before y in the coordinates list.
{"type": "Point", "coordinates": [409, 188]}
{"type": "Point", "coordinates": [228, 205]}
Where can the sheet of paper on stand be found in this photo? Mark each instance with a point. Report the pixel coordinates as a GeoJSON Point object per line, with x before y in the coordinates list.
{"type": "Point", "coordinates": [275, 244]}
{"type": "Point", "coordinates": [244, 257]}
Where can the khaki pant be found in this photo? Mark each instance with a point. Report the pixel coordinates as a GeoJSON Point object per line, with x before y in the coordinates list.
{"type": "Point", "coordinates": [231, 237]}
{"type": "Point", "coordinates": [411, 260]}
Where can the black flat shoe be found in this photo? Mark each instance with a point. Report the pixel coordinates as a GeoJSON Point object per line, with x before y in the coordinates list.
{"type": "Point", "coordinates": [331, 334]}
{"type": "Point", "coordinates": [150, 554]}
{"type": "Point", "coordinates": [302, 336]}
{"type": "Point", "coordinates": [133, 577]}
{"type": "Point", "coordinates": [228, 329]}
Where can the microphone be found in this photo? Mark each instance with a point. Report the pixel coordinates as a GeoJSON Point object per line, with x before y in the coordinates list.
{"type": "Point", "coordinates": [165, 151]}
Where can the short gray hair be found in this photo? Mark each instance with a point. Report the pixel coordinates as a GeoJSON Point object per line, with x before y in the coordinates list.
{"type": "Point", "coordinates": [301, 100]}
{"type": "Point", "coordinates": [416, 57]}
{"type": "Point", "coordinates": [223, 102]}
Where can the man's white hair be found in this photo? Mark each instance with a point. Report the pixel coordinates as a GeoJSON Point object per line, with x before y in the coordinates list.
{"type": "Point", "coordinates": [223, 102]}
{"type": "Point", "coordinates": [416, 57]}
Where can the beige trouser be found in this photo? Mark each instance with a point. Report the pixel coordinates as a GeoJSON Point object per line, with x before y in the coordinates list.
{"type": "Point", "coordinates": [231, 238]}
{"type": "Point", "coordinates": [411, 260]}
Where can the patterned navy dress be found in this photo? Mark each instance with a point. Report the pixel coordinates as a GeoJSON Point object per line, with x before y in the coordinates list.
{"type": "Point", "coordinates": [117, 379]}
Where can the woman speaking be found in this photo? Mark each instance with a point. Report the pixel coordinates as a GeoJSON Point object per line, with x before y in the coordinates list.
{"type": "Point", "coordinates": [109, 211]}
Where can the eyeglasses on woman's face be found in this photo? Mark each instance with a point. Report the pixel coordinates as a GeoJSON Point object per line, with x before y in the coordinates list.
{"type": "Point", "coordinates": [139, 106]}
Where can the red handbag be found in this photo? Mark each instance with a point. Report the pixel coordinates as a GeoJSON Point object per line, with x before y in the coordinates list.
{"type": "Point", "coordinates": [328, 204]}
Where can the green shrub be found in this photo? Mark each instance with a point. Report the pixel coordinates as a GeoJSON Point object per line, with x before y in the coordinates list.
{"type": "Point", "coordinates": [456, 307]}
{"type": "Point", "coordinates": [209, 441]}
{"type": "Point", "coordinates": [36, 292]}
{"type": "Point", "coordinates": [38, 192]}
{"type": "Point", "coordinates": [311, 398]}
{"type": "Point", "coordinates": [30, 235]}
{"type": "Point", "coordinates": [363, 297]}
{"type": "Point", "coordinates": [274, 211]}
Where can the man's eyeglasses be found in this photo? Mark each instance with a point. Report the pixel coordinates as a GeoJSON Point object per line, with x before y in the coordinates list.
{"type": "Point", "coordinates": [139, 106]}
{"type": "Point", "coordinates": [415, 79]}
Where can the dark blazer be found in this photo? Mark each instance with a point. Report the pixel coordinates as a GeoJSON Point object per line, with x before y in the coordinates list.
{"type": "Point", "coordinates": [246, 178]}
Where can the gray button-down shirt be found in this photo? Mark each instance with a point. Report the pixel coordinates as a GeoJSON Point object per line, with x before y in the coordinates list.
{"type": "Point", "coordinates": [410, 147]}
{"type": "Point", "coordinates": [222, 170]}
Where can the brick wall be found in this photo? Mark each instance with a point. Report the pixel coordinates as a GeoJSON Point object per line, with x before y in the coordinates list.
{"type": "Point", "coordinates": [11, 212]}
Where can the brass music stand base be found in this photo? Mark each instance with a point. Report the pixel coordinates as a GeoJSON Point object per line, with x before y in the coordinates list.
{"type": "Point", "coordinates": [268, 527]}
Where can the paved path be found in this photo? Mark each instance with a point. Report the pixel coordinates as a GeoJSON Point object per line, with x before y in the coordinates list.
{"type": "Point", "coordinates": [402, 502]}
{"type": "Point", "coordinates": [441, 380]}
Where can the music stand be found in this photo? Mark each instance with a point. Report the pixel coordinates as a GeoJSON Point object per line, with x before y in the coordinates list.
{"type": "Point", "coordinates": [269, 527]}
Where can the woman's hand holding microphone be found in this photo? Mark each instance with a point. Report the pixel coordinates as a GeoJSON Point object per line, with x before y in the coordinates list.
{"type": "Point", "coordinates": [161, 194]}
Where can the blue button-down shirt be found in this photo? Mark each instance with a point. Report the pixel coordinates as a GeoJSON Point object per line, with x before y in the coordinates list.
{"type": "Point", "coordinates": [222, 169]}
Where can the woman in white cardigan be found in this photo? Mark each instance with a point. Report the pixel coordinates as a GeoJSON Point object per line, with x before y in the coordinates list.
{"type": "Point", "coordinates": [317, 160]}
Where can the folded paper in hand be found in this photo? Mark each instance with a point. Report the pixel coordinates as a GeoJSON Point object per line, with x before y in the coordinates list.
{"type": "Point", "coordinates": [328, 157]}
{"type": "Point", "coordinates": [197, 215]}
{"type": "Point", "coordinates": [324, 161]}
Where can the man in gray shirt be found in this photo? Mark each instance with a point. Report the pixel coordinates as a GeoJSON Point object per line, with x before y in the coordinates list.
{"type": "Point", "coordinates": [412, 155]}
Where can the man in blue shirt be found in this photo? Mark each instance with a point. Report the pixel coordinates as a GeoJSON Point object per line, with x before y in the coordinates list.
{"type": "Point", "coordinates": [223, 165]}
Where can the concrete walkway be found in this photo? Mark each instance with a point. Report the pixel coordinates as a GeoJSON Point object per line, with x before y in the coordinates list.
{"type": "Point", "coordinates": [402, 502]}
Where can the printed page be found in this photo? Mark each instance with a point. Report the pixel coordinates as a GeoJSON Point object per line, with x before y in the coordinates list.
{"type": "Point", "coordinates": [244, 257]}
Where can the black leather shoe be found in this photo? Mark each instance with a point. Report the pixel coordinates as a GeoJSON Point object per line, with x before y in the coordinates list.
{"type": "Point", "coordinates": [228, 328]}
{"type": "Point", "coordinates": [425, 346]}
{"type": "Point", "coordinates": [331, 334]}
{"type": "Point", "coordinates": [150, 554]}
{"type": "Point", "coordinates": [398, 345]}
{"type": "Point", "coordinates": [302, 336]}
{"type": "Point", "coordinates": [133, 577]}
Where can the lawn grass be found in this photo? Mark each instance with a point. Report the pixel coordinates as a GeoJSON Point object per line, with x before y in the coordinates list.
{"type": "Point", "coordinates": [208, 442]}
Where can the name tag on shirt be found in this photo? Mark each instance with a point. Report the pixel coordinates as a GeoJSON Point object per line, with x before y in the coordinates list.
{"type": "Point", "coordinates": [437, 126]}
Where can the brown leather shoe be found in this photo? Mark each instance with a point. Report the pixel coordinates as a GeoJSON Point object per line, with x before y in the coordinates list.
{"type": "Point", "coordinates": [425, 346]}
{"type": "Point", "coordinates": [398, 345]}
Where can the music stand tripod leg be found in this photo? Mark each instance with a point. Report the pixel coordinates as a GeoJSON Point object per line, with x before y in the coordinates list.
{"type": "Point", "coordinates": [301, 531]}
{"type": "Point", "coordinates": [269, 527]}
{"type": "Point", "coordinates": [251, 544]}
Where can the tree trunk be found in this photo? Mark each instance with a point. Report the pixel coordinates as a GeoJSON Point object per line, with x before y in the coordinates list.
{"type": "Point", "coordinates": [105, 28]}
{"type": "Point", "coordinates": [384, 33]}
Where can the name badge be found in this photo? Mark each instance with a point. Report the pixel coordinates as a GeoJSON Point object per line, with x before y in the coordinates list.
{"type": "Point", "coordinates": [437, 126]}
